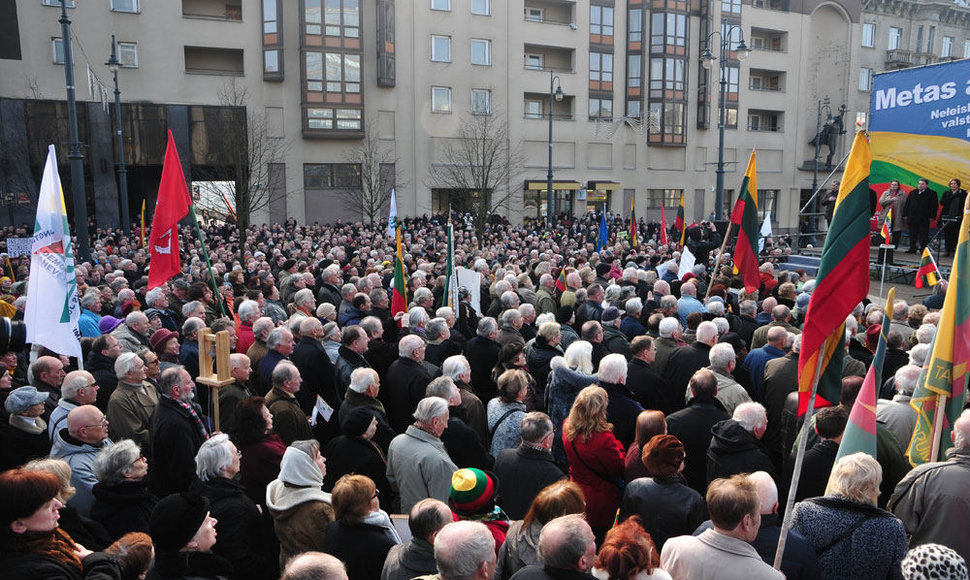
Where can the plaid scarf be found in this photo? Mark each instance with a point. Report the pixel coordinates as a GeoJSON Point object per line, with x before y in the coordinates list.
{"type": "Point", "coordinates": [198, 421]}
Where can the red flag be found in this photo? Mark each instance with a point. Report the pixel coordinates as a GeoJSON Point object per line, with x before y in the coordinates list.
{"type": "Point", "coordinates": [663, 227]}
{"type": "Point", "coordinates": [172, 205]}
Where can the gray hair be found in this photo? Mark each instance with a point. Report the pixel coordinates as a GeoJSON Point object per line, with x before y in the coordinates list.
{"type": "Point", "coordinates": [716, 307]}
{"type": "Point", "coordinates": [422, 294]}
{"type": "Point", "coordinates": [74, 382]}
{"type": "Point", "coordinates": [668, 326]}
{"type": "Point", "coordinates": [91, 298]}
{"type": "Point", "coordinates": [418, 316]}
{"type": "Point", "coordinates": [612, 368]}
{"type": "Point", "coordinates": [370, 324]}
{"type": "Point", "coordinates": [926, 333]}
{"type": "Point", "coordinates": [408, 344]}
{"type": "Point", "coordinates": [282, 372]}
{"type": "Point", "coordinates": [213, 456]}
{"type": "Point", "coordinates": [961, 431]}
{"type": "Point", "coordinates": [262, 326]}
{"type": "Point", "coordinates": [668, 301]}
{"type": "Point", "coordinates": [191, 325]}
{"type": "Point", "coordinates": [574, 537]}
{"type": "Point", "coordinates": [633, 307]}
{"type": "Point", "coordinates": [535, 427]}
{"type": "Point", "coordinates": [330, 329]}
{"type": "Point", "coordinates": [276, 337]}
{"type": "Point", "coordinates": [429, 408]}
{"type": "Point", "coordinates": [526, 309]}
{"type": "Point", "coordinates": [706, 332]}
{"type": "Point", "coordinates": [722, 325]}
{"type": "Point", "coordinates": [443, 387]}
{"type": "Point", "coordinates": [905, 379]}
{"type": "Point", "coordinates": [362, 379]}
{"type": "Point", "coordinates": [125, 363]}
{"type": "Point", "coordinates": [721, 355]}
{"type": "Point", "coordinates": [135, 317]}
{"type": "Point", "coordinates": [918, 354]}
{"type": "Point", "coordinates": [114, 461]}
{"type": "Point", "coordinates": [153, 296]}
{"type": "Point", "coordinates": [436, 328]}
{"type": "Point", "coordinates": [303, 296]}
{"type": "Point", "coordinates": [460, 549]}
{"type": "Point", "coordinates": [748, 308]}
{"type": "Point", "coordinates": [189, 307]}
{"type": "Point", "coordinates": [487, 326]}
{"type": "Point", "coordinates": [455, 366]}
{"type": "Point", "coordinates": [750, 416]}
{"type": "Point", "coordinates": [248, 310]}
{"type": "Point", "coordinates": [445, 312]}
{"type": "Point", "coordinates": [855, 477]}
{"type": "Point", "coordinates": [509, 316]}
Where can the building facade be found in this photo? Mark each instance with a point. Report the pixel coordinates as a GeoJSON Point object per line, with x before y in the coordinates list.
{"type": "Point", "coordinates": [637, 116]}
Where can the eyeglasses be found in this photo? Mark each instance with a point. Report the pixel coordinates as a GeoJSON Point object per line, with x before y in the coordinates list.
{"type": "Point", "coordinates": [101, 425]}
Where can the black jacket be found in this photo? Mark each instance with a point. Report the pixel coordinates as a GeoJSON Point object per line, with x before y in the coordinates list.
{"type": "Point", "coordinates": [361, 547]}
{"type": "Point", "coordinates": [482, 354]}
{"type": "Point", "coordinates": [122, 508]}
{"type": "Point", "coordinates": [30, 566]}
{"type": "Point", "coordinates": [329, 293]}
{"type": "Point", "coordinates": [681, 366]}
{"type": "Point", "coordinates": [346, 455]}
{"type": "Point", "coordinates": [410, 560]}
{"type": "Point", "coordinates": [437, 353]}
{"type": "Point", "coordinates": [693, 427]}
{"type": "Point", "coordinates": [540, 355]}
{"type": "Point", "coordinates": [189, 566]}
{"type": "Point", "coordinates": [539, 572]}
{"type": "Point", "coordinates": [816, 467]}
{"type": "Point", "coordinates": [317, 373]}
{"type": "Point", "coordinates": [406, 383]}
{"type": "Point", "coordinates": [463, 445]}
{"type": "Point", "coordinates": [381, 354]}
{"type": "Point", "coordinates": [347, 362]}
{"type": "Point", "coordinates": [667, 507]}
{"type": "Point", "coordinates": [616, 342]}
{"type": "Point", "coordinates": [735, 450]}
{"type": "Point", "coordinates": [522, 473]}
{"type": "Point", "coordinates": [648, 388]}
{"type": "Point", "coordinates": [240, 529]}
{"type": "Point", "coordinates": [176, 439]}
{"type": "Point", "coordinates": [622, 412]}
{"type": "Point", "coordinates": [103, 369]}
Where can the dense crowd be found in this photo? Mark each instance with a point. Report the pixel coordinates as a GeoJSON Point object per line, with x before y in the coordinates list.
{"type": "Point", "coordinates": [584, 412]}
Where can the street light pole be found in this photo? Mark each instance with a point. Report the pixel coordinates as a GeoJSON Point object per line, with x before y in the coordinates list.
{"type": "Point", "coordinates": [114, 64]}
{"type": "Point", "coordinates": [83, 252]}
{"type": "Point", "coordinates": [555, 94]}
{"type": "Point", "coordinates": [707, 59]}
{"type": "Point", "coordinates": [823, 104]}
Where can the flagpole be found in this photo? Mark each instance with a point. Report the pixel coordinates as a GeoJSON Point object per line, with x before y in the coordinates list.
{"type": "Point", "coordinates": [717, 261]}
{"type": "Point", "coordinates": [205, 254]}
{"type": "Point", "coordinates": [885, 253]}
{"type": "Point", "coordinates": [800, 455]}
{"type": "Point", "coordinates": [935, 265]}
{"type": "Point", "coordinates": [937, 427]}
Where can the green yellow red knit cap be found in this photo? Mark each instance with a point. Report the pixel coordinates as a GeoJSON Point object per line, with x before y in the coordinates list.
{"type": "Point", "coordinates": [472, 490]}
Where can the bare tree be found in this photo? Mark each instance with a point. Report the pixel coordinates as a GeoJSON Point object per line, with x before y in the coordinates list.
{"type": "Point", "coordinates": [479, 167]}
{"type": "Point", "coordinates": [377, 168]}
{"type": "Point", "coordinates": [239, 152]}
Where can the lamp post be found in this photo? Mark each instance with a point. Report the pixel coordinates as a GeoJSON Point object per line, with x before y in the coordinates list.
{"type": "Point", "coordinates": [114, 64]}
{"type": "Point", "coordinates": [555, 94]}
{"type": "Point", "coordinates": [74, 152]}
{"type": "Point", "coordinates": [823, 104]}
{"type": "Point", "coordinates": [707, 60]}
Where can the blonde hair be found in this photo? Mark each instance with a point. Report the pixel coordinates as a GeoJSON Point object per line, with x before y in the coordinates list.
{"type": "Point", "coordinates": [856, 477]}
{"type": "Point", "coordinates": [588, 414]}
{"type": "Point", "coordinates": [58, 467]}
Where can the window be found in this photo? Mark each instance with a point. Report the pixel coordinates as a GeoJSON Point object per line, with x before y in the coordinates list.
{"type": "Point", "coordinates": [731, 6]}
{"type": "Point", "coordinates": [601, 20]}
{"type": "Point", "coordinates": [533, 109]}
{"type": "Point", "coordinates": [327, 175]}
{"type": "Point", "coordinates": [868, 34]}
{"type": "Point", "coordinates": [481, 52]}
{"type": "Point", "coordinates": [966, 49]}
{"type": "Point", "coordinates": [270, 17]}
{"type": "Point", "coordinates": [124, 5]}
{"type": "Point", "coordinates": [441, 48]}
{"type": "Point", "coordinates": [481, 102]}
{"type": "Point", "coordinates": [482, 7]}
{"type": "Point", "coordinates": [667, 74]}
{"type": "Point", "coordinates": [57, 44]}
{"type": "Point", "coordinates": [635, 25]}
{"type": "Point", "coordinates": [895, 35]}
{"type": "Point", "coordinates": [919, 39]}
{"type": "Point", "coordinates": [440, 100]}
{"type": "Point", "coordinates": [342, 72]}
{"type": "Point", "coordinates": [930, 39]}
{"type": "Point", "coordinates": [533, 14]}
{"type": "Point", "coordinates": [271, 61]}
{"type": "Point", "coordinates": [326, 118]}
{"type": "Point", "coordinates": [128, 54]}
{"type": "Point", "coordinates": [600, 109]}
{"type": "Point", "coordinates": [273, 40]}
{"type": "Point", "coordinates": [633, 108]}
{"type": "Point", "coordinates": [865, 79]}
{"type": "Point", "coordinates": [663, 197]}
{"type": "Point", "coordinates": [764, 121]}
{"type": "Point", "coordinates": [533, 61]}
{"type": "Point", "coordinates": [441, 5]}
{"type": "Point", "coordinates": [600, 67]}
{"type": "Point", "coordinates": [634, 64]}
{"type": "Point", "coordinates": [946, 50]}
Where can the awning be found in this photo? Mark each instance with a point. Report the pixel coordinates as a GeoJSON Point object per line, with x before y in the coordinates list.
{"type": "Point", "coordinates": [603, 186]}
{"type": "Point", "coordinates": [537, 185]}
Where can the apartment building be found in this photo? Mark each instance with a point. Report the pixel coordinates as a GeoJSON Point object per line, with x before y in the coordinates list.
{"type": "Point", "coordinates": [634, 113]}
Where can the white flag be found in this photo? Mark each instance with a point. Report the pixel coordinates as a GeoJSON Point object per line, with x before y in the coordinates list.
{"type": "Point", "coordinates": [392, 218]}
{"type": "Point", "coordinates": [765, 232]}
{"type": "Point", "coordinates": [52, 310]}
{"type": "Point", "coordinates": [686, 263]}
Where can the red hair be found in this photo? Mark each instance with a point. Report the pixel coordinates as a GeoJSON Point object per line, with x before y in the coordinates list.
{"type": "Point", "coordinates": [23, 492]}
{"type": "Point", "coordinates": [627, 551]}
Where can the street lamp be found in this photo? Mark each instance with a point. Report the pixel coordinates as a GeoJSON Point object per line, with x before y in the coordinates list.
{"type": "Point", "coordinates": [707, 60]}
{"type": "Point", "coordinates": [114, 64]}
{"type": "Point", "coordinates": [823, 105]}
{"type": "Point", "coordinates": [555, 93]}
{"type": "Point", "coordinates": [74, 152]}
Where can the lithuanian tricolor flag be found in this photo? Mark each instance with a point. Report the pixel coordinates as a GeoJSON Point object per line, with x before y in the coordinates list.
{"type": "Point", "coordinates": [399, 292]}
{"type": "Point", "coordinates": [943, 380]}
{"type": "Point", "coordinates": [842, 282]}
{"type": "Point", "coordinates": [745, 216]}
{"type": "Point", "coordinates": [885, 226]}
{"type": "Point", "coordinates": [634, 238]}
{"type": "Point", "coordinates": [928, 274]}
{"type": "Point", "coordinates": [680, 223]}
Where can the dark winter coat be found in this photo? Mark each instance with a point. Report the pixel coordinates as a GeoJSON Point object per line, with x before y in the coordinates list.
{"type": "Point", "coordinates": [346, 455]}
{"type": "Point", "coordinates": [362, 547]}
{"type": "Point", "coordinates": [347, 362]}
{"type": "Point", "coordinates": [693, 427]}
{"type": "Point", "coordinates": [464, 445]}
{"type": "Point", "coordinates": [175, 441]}
{"type": "Point", "coordinates": [260, 464]}
{"type": "Point", "coordinates": [317, 373]}
{"type": "Point", "coordinates": [522, 473]}
{"type": "Point", "coordinates": [482, 354]}
{"type": "Point", "coordinates": [816, 467]}
{"type": "Point", "coordinates": [384, 433]}
{"type": "Point", "coordinates": [622, 412]}
{"type": "Point", "coordinates": [667, 507]}
{"type": "Point", "coordinates": [239, 526]}
{"type": "Point", "coordinates": [681, 366]}
{"type": "Point", "coordinates": [189, 566]}
{"type": "Point", "coordinates": [122, 508]}
{"type": "Point", "coordinates": [735, 450]}
{"type": "Point", "coordinates": [615, 341]}
{"type": "Point", "coordinates": [538, 360]}
{"type": "Point", "coordinates": [648, 388]}
{"type": "Point", "coordinates": [34, 566]}
{"type": "Point", "coordinates": [103, 369]}
{"type": "Point", "coordinates": [406, 382]}
{"type": "Point", "coordinates": [410, 560]}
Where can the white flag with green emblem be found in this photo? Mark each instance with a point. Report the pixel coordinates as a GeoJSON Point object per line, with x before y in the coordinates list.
{"type": "Point", "coordinates": [52, 310]}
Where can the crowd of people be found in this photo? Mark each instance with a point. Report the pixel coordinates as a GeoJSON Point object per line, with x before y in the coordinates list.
{"type": "Point", "coordinates": [585, 412]}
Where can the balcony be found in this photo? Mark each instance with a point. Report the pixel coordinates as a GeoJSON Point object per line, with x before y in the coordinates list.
{"type": "Point", "coordinates": [764, 121]}
{"type": "Point", "coordinates": [898, 58]}
{"type": "Point", "coordinates": [230, 10]}
{"type": "Point", "coordinates": [203, 60]}
{"type": "Point", "coordinates": [552, 12]}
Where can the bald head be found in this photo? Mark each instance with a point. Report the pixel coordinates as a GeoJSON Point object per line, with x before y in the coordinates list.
{"type": "Point", "coordinates": [567, 543]}
{"type": "Point", "coordinates": [315, 566]}
{"type": "Point", "coordinates": [777, 335]}
{"type": "Point", "coordinates": [87, 423]}
{"type": "Point", "coordinates": [465, 549]}
{"type": "Point", "coordinates": [767, 491]}
{"type": "Point", "coordinates": [780, 313]}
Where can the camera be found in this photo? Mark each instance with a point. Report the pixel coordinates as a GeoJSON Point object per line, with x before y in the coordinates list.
{"type": "Point", "coordinates": [13, 334]}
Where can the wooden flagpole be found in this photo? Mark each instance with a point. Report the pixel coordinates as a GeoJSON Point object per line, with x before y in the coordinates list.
{"type": "Point", "coordinates": [205, 253]}
{"type": "Point", "coordinates": [937, 427]}
{"type": "Point", "coordinates": [717, 261]}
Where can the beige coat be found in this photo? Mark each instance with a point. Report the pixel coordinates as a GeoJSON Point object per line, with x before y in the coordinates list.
{"type": "Point", "coordinates": [130, 413]}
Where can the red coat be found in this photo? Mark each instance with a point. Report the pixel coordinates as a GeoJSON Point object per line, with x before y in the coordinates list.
{"type": "Point", "coordinates": [259, 465]}
{"type": "Point", "coordinates": [244, 337]}
{"type": "Point", "coordinates": [603, 453]}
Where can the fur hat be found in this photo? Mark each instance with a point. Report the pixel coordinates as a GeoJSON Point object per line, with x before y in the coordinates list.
{"type": "Point", "coordinates": [663, 455]}
{"type": "Point", "coordinates": [176, 519]}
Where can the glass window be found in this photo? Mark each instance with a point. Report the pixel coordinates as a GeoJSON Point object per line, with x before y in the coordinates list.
{"type": "Point", "coordinates": [966, 49]}
{"type": "Point", "coordinates": [271, 61]}
{"type": "Point", "coordinates": [600, 109]}
{"type": "Point", "coordinates": [868, 34]}
{"type": "Point", "coordinates": [314, 71]}
{"type": "Point", "coordinates": [327, 175]}
{"type": "Point", "coordinates": [270, 16]}
{"type": "Point", "coordinates": [440, 100]}
{"type": "Point", "coordinates": [482, 7]}
{"type": "Point", "coordinates": [124, 5]}
{"type": "Point", "coordinates": [930, 39]}
{"type": "Point", "coordinates": [481, 101]}
{"type": "Point", "coordinates": [128, 54]}
{"type": "Point", "coordinates": [895, 35]}
{"type": "Point", "coordinates": [57, 45]}
{"type": "Point", "coordinates": [312, 16]}
{"type": "Point", "coordinates": [663, 197]}
{"type": "Point", "coordinates": [635, 25]}
{"type": "Point", "coordinates": [919, 38]}
{"type": "Point", "coordinates": [731, 6]}
{"type": "Point", "coordinates": [533, 61]}
{"type": "Point", "coordinates": [865, 79]}
{"type": "Point", "coordinates": [633, 108]}
{"type": "Point", "coordinates": [481, 52]}
{"type": "Point", "coordinates": [946, 50]}
{"type": "Point", "coordinates": [533, 109]}
{"type": "Point", "coordinates": [440, 48]}
{"type": "Point", "coordinates": [533, 14]}
{"type": "Point", "coordinates": [731, 74]}
{"type": "Point", "coordinates": [441, 5]}
{"type": "Point", "coordinates": [601, 20]}
{"type": "Point", "coordinates": [601, 67]}
{"type": "Point", "coordinates": [634, 63]}
{"type": "Point", "coordinates": [676, 30]}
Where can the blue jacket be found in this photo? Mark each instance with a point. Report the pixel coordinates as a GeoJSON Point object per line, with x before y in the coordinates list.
{"type": "Point", "coordinates": [88, 324]}
{"type": "Point", "coordinates": [756, 361]}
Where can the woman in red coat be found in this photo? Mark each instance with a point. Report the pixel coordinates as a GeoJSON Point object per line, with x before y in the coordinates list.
{"type": "Point", "coordinates": [595, 457]}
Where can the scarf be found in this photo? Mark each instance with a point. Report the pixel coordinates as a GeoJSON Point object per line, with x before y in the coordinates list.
{"type": "Point", "coordinates": [191, 411]}
{"type": "Point", "coordinates": [383, 521]}
{"type": "Point", "coordinates": [55, 544]}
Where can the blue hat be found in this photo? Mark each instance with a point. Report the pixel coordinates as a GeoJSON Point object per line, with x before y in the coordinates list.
{"type": "Point", "coordinates": [19, 400]}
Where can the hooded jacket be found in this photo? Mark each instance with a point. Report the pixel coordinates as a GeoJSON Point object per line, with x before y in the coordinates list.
{"type": "Point", "coordinates": [301, 510]}
{"type": "Point", "coordinates": [735, 450]}
{"type": "Point", "coordinates": [80, 456]}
